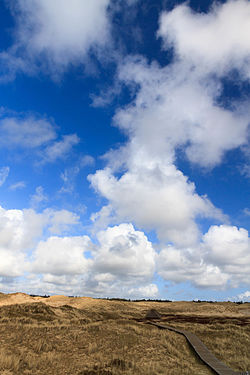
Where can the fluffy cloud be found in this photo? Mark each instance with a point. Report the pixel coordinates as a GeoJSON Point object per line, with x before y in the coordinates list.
{"type": "Point", "coordinates": [229, 248]}
{"type": "Point", "coordinates": [4, 173]}
{"type": "Point", "coordinates": [123, 260]}
{"type": "Point", "coordinates": [227, 245]}
{"type": "Point", "coordinates": [212, 41]}
{"type": "Point", "coordinates": [61, 256]}
{"type": "Point", "coordinates": [122, 263]}
{"type": "Point", "coordinates": [178, 265]}
{"type": "Point", "coordinates": [156, 196]}
{"type": "Point", "coordinates": [203, 129]}
{"type": "Point", "coordinates": [221, 258]}
{"type": "Point", "coordinates": [21, 229]}
{"type": "Point", "coordinates": [60, 220]}
{"type": "Point", "coordinates": [63, 30]}
{"type": "Point", "coordinates": [125, 253]}
{"type": "Point", "coordinates": [12, 264]}
{"type": "Point", "coordinates": [18, 231]}
{"type": "Point", "coordinates": [55, 33]}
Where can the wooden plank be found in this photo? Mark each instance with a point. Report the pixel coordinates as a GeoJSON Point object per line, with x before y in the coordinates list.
{"type": "Point", "coordinates": [202, 351]}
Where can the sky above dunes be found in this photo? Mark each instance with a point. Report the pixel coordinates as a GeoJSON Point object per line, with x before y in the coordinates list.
{"type": "Point", "coordinates": [125, 160]}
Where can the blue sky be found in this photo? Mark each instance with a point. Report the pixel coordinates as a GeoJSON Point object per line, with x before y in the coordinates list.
{"type": "Point", "coordinates": [125, 162]}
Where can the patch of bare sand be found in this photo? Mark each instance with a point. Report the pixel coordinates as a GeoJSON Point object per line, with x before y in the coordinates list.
{"type": "Point", "coordinates": [134, 308]}
{"type": "Point", "coordinates": [15, 298]}
{"type": "Point", "coordinates": [55, 301]}
{"type": "Point", "coordinates": [60, 300]}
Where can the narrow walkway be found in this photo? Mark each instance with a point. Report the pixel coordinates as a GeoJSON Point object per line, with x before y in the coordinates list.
{"type": "Point", "coordinates": [202, 351]}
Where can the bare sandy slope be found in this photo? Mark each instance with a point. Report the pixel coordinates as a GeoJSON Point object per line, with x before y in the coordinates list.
{"type": "Point", "coordinates": [55, 301]}
{"type": "Point", "coordinates": [202, 308]}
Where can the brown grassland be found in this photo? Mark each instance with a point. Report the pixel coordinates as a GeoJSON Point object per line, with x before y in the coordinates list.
{"type": "Point", "coordinates": [84, 336]}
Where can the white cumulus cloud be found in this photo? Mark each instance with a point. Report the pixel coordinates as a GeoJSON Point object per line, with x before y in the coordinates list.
{"type": "Point", "coordinates": [212, 41]}
{"type": "Point", "coordinates": [176, 109]}
{"type": "Point", "coordinates": [222, 258]}
{"type": "Point", "coordinates": [122, 263]}
{"type": "Point", "coordinates": [55, 34]}
{"type": "Point", "coordinates": [60, 220]}
{"type": "Point", "coordinates": [178, 265]}
{"type": "Point", "coordinates": [156, 196]}
{"type": "Point", "coordinates": [20, 230]}
{"type": "Point", "coordinates": [61, 256]}
{"type": "Point", "coordinates": [227, 245]}
{"type": "Point", "coordinates": [125, 253]}
{"type": "Point", "coordinates": [229, 248]}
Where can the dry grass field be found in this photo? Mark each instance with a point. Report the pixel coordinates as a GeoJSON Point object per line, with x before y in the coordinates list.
{"type": "Point", "coordinates": [85, 336]}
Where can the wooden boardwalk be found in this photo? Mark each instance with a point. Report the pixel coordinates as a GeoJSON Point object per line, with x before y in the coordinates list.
{"type": "Point", "coordinates": [202, 351]}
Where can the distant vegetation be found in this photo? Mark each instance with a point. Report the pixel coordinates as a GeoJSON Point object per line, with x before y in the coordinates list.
{"type": "Point", "coordinates": [136, 300]}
